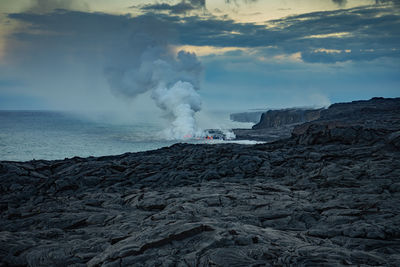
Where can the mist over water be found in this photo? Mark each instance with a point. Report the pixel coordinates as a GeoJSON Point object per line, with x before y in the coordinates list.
{"type": "Point", "coordinates": [27, 135]}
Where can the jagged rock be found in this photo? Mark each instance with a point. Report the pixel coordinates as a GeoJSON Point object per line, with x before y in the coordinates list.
{"type": "Point", "coordinates": [326, 196]}
{"type": "Point", "coordinates": [281, 117]}
{"type": "Point", "coordinates": [375, 120]}
{"type": "Point", "coordinates": [274, 124]}
{"type": "Point", "coordinates": [247, 116]}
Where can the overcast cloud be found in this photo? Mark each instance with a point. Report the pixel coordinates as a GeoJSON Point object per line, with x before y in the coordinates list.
{"type": "Point", "coordinates": [65, 54]}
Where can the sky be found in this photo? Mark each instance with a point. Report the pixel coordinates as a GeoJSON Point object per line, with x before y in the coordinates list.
{"type": "Point", "coordinates": [241, 55]}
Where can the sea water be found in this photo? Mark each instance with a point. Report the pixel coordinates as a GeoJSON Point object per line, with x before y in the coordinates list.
{"type": "Point", "coordinates": [27, 135]}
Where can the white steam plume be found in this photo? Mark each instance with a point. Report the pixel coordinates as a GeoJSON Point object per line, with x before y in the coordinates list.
{"type": "Point", "coordinates": [172, 79]}
{"type": "Point", "coordinates": [180, 102]}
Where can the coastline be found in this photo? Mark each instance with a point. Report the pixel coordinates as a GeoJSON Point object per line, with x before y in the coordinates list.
{"type": "Point", "coordinates": [327, 195]}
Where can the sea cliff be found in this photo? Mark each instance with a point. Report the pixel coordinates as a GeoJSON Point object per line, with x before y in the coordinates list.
{"type": "Point", "coordinates": [327, 195]}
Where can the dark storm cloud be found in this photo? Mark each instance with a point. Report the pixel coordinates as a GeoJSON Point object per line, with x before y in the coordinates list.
{"type": "Point", "coordinates": [73, 58]}
{"type": "Point", "coordinates": [198, 3]}
{"type": "Point", "coordinates": [388, 1]}
{"type": "Point", "coordinates": [43, 6]}
{"type": "Point", "coordinates": [87, 34]}
{"type": "Point", "coordinates": [369, 33]}
{"type": "Point", "coordinates": [180, 8]}
{"type": "Point", "coordinates": [175, 9]}
{"type": "Point", "coordinates": [185, 6]}
{"type": "Point", "coordinates": [340, 2]}
{"type": "Point", "coordinates": [365, 33]}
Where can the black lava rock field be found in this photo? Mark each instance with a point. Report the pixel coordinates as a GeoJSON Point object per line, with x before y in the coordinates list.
{"type": "Point", "coordinates": [327, 196]}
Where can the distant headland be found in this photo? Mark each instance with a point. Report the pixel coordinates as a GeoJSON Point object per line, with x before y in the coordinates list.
{"type": "Point", "coordinates": [324, 191]}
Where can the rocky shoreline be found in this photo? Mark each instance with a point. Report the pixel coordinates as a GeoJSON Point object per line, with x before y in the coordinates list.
{"type": "Point", "coordinates": [326, 196]}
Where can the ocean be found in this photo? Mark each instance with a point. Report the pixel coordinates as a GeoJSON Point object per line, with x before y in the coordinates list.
{"type": "Point", "coordinates": [27, 135]}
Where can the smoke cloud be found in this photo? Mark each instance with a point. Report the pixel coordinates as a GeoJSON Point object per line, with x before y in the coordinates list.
{"type": "Point", "coordinates": [95, 52]}
{"type": "Point", "coordinates": [180, 102]}
{"type": "Point", "coordinates": [172, 79]}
